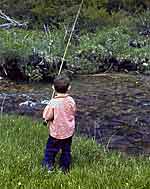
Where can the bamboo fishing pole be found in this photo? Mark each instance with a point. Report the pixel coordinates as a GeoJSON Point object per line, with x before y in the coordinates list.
{"type": "Point", "coordinates": [68, 43]}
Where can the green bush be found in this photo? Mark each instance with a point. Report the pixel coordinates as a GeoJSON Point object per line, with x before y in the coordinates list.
{"type": "Point", "coordinates": [54, 12]}
{"type": "Point", "coordinates": [17, 46]}
{"type": "Point", "coordinates": [113, 42]}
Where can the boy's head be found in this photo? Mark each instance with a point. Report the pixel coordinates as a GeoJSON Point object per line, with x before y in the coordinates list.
{"type": "Point", "coordinates": [61, 84]}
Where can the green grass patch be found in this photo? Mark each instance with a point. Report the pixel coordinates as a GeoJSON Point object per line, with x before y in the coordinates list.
{"type": "Point", "coordinates": [88, 52]}
{"type": "Point", "coordinates": [22, 143]}
{"type": "Point", "coordinates": [22, 43]}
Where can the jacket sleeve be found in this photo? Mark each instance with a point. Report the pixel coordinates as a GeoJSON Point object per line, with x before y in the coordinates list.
{"type": "Point", "coordinates": [48, 113]}
{"type": "Point", "coordinates": [74, 107]}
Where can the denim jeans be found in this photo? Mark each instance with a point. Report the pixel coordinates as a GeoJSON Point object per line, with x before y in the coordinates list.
{"type": "Point", "coordinates": [53, 146]}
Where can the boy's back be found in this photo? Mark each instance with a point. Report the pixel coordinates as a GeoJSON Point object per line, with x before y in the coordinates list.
{"type": "Point", "coordinates": [63, 122]}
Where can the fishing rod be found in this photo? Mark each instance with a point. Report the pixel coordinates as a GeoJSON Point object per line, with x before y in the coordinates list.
{"type": "Point", "coordinates": [66, 49]}
{"type": "Point", "coordinates": [68, 43]}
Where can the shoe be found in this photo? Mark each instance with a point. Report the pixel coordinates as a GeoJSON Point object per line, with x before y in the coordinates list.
{"type": "Point", "coordinates": [50, 171]}
{"type": "Point", "coordinates": [48, 167]}
{"type": "Point", "coordinates": [64, 170]}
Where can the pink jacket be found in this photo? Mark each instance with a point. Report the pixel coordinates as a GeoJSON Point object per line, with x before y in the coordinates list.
{"type": "Point", "coordinates": [60, 113]}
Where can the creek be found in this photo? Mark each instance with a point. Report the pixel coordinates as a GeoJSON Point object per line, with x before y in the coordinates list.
{"type": "Point", "coordinates": [114, 109]}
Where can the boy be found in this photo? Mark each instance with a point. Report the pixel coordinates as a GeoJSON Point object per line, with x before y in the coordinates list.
{"type": "Point", "coordinates": [60, 117]}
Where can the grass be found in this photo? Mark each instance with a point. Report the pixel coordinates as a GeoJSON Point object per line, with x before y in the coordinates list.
{"type": "Point", "coordinates": [22, 143]}
{"type": "Point", "coordinates": [22, 43]}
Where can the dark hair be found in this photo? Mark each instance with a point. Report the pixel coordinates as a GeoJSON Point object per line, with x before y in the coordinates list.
{"type": "Point", "coordinates": [61, 84]}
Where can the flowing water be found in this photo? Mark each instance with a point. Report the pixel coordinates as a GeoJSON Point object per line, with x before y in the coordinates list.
{"type": "Point", "coordinates": [112, 108]}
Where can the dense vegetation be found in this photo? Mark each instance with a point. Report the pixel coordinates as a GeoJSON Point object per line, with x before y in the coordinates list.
{"type": "Point", "coordinates": [22, 144]}
{"type": "Point", "coordinates": [61, 10]}
{"type": "Point", "coordinates": [109, 36]}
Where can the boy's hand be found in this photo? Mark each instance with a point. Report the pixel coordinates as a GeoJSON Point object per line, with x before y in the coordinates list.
{"type": "Point", "coordinates": [45, 122]}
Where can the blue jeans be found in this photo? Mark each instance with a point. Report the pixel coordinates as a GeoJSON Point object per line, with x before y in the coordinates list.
{"type": "Point", "coordinates": [53, 146]}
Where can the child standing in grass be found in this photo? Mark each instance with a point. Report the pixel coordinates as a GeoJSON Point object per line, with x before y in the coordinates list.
{"type": "Point", "coordinates": [60, 116]}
